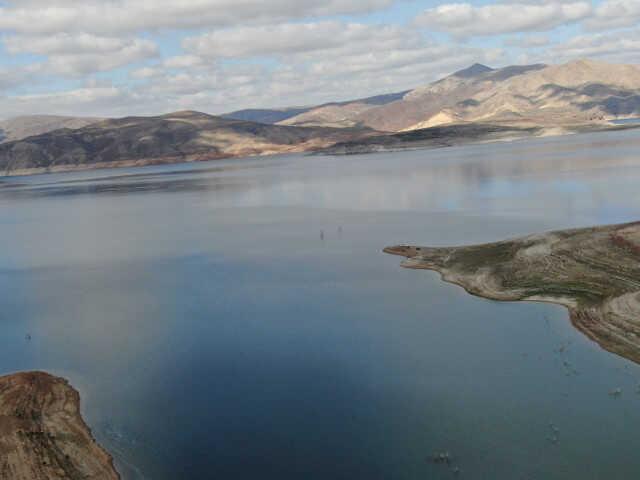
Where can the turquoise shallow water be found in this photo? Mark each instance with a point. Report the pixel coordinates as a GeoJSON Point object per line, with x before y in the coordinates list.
{"type": "Point", "coordinates": [237, 319]}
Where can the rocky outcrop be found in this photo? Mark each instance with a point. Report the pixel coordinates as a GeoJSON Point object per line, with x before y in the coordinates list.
{"type": "Point", "coordinates": [42, 434]}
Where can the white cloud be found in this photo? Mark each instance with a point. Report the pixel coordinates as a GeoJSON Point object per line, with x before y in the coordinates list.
{"type": "Point", "coordinates": [145, 72]}
{"type": "Point", "coordinates": [217, 88]}
{"type": "Point", "coordinates": [97, 61]}
{"type": "Point", "coordinates": [465, 20]}
{"type": "Point", "coordinates": [183, 61]}
{"type": "Point", "coordinates": [63, 43]}
{"type": "Point", "coordinates": [529, 41]}
{"type": "Point", "coordinates": [290, 38]}
{"type": "Point", "coordinates": [79, 54]}
{"type": "Point", "coordinates": [359, 60]}
{"type": "Point", "coordinates": [108, 17]}
{"type": "Point", "coordinates": [318, 62]}
{"type": "Point", "coordinates": [615, 14]}
{"type": "Point", "coordinates": [227, 54]}
{"type": "Point", "coordinates": [392, 60]}
{"type": "Point", "coordinates": [72, 102]}
{"type": "Point", "coordinates": [309, 62]}
{"type": "Point", "coordinates": [14, 76]}
{"type": "Point", "coordinates": [622, 47]}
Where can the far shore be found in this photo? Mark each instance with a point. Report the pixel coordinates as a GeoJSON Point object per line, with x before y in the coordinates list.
{"type": "Point", "coordinates": [464, 134]}
{"type": "Point", "coordinates": [425, 139]}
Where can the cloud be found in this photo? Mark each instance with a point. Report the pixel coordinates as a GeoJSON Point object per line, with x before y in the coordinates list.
{"type": "Point", "coordinates": [108, 17]}
{"type": "Point", "coordinates": [529, 41]}
{"type": "Point", "coordinates": [11, 77]}
{"type": "Point", "coordinates": [466, 20]}
{"type": "Point", "coordinates": [293, 38]}
{"type": "Point", "coordinates": [63, 43]}
{"type": "Point", "coordinates": [387, 63]}
{"type": "Point", "coordinates": [220, 55]}
{"type": "Point", "coordinates": [85, 63]}
{"type": "Point", "coordinates": [615, 14]}
{"type": "Point", "coordinates": [307, 62]}
{"type": "Point", "coordinates": [183, 61]}
{"type": "Point", "coordinates": [316, 62]}
{"type": "Point", "coordinates": [72, 102]}
{"type": "Point", "coordinates": [359, 60]}
{"type": "Point", "coordinates": [622, 47]}
{"type": "Point", "coordinates": [325, 48]}
{"type": "Point", "coordinates": [145, 72]}
{"type": "Point", "coordinates": [79, 54]}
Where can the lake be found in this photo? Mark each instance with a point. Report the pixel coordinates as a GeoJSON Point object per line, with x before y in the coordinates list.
{"type": "Point", "coordinates": [237, 319]}
{"type": "Point", "coordinates": [626, 121]}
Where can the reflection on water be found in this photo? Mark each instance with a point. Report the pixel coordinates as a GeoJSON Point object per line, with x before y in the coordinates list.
{"type": "Point", "coordinates": [626, 121]}
{"type": "Point", "coordinates": [236, 319]}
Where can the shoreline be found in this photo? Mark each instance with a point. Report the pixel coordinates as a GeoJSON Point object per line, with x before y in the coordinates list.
{"type": "Point", "coordinates": [425, 139]}
{"type": "Point", "coordinates": [450, 135]}
{"type": "Point", "coordinates": [593, 272]}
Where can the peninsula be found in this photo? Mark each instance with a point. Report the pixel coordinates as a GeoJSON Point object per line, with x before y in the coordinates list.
{"type": "Point", "coordinates": [42, 434]}
{"type": "Point", "coordinates": [594, 272]}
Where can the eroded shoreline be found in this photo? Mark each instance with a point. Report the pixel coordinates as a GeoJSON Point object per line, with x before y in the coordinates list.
{"type": "Point", "coordinates": [594, 272]}
{"type": "Point", "coordinates": [42, 433]}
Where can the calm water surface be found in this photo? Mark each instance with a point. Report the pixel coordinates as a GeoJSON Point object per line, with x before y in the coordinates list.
{"type": "Point", "coordinates": [236, 319]}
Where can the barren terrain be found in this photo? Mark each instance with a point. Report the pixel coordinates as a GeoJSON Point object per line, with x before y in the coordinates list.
{"type": "Point", "coordinates": [42, 434]}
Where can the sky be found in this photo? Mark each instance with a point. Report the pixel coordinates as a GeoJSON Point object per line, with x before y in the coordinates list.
{"type": "Point", "coordinates": [146, 57]}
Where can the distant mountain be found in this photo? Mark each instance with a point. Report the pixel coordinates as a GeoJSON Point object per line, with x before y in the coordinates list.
{"type": "Point", "coordinates": [575, 93]}
{"type": "Point", "coordinates": [327, 114]}
{"type": "Point", "coordinates": [438, 103]}
{"type": "Point", "coordinates": [265, 115]}
{"type": "Point", "coordinates": [412, 107]}
{"type": "Point", "coordinates": [17, 128]}
{"type": "Point", "coordinates": [376, 99]}
{"type": "Point", "coordinates": [490, 104]}
{"type": "Point", "coordinates": [342, 114]}
{"type": "Point", "coordinates": [176, 137]}
{"type": "Point", "coordinates": [472, 71]}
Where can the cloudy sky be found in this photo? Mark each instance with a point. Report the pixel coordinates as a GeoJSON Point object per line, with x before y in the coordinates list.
{"type": "Point", "coordinates": [121, 57]}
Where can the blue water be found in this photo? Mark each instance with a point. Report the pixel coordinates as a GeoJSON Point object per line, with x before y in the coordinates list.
{"type": "Point", "coordinates": [237, 319]}
{"type": "Point", "coordinates": [626, 121]}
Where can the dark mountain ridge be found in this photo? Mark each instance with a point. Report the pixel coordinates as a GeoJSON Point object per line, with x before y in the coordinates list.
{"type": "Point", "coordinates": [175, 137]}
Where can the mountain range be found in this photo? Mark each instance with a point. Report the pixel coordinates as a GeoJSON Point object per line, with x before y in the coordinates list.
{"type": "Point", "coordinates": [17, 128]}
{"type": "Point", "coordinates": [328, 114]}
{"type": "Point", "coordinates": [175, 137]}
{"type": "Point", "coordinates": [511, 101]}
{"type": "Point", "coordinates": [575, 93]}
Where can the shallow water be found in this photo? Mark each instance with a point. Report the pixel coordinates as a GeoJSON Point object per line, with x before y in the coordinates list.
{"type": "Point", "coordinates": [236, 319]}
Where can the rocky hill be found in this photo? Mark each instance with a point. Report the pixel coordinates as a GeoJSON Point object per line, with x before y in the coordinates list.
{"type": "Point", "coordinates": [17, 128]}
{"type": "Point", "coordinates": [43, 435]}
{"type": "Point", "coordinates": [576, 93]}
{"type": "Point", "coordinates": [334, 114]}
{"type": "Point", "coordinates": [176, 137]}
{"type": "Point", "coordinates": [266, 115]}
